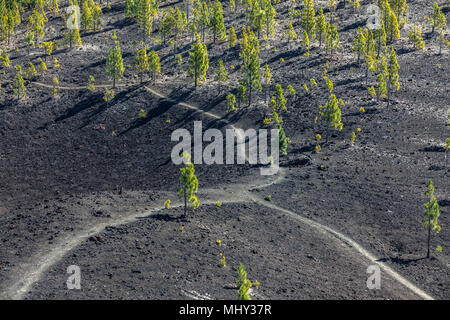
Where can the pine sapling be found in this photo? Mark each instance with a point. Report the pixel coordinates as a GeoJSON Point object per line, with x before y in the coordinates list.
{"type": "Point", "coordinates": [231, 102]}
{"type": "Point", "coordinates": [221, 75]}
{"type": "Point", "coordinates": [430, 221]}
{"type": "Point", "coordinates": [188, 183]}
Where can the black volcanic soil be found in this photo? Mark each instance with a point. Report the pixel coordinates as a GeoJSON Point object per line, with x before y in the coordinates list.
{"type": "Point", "coordinates": [64, 160]}
{"type": "Point", "coordinates": [171, 262]}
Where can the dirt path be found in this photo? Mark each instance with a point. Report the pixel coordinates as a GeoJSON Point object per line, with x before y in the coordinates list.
{"type": "Point", "coordinates": [43, 261]}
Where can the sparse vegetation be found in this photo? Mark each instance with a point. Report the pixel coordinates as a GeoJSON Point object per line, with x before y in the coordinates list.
{"type": "Point", "coordinates": [430, 220]}
{"type": "Point", "coordinates": [188, 184]}
{"type": "Point", "coordinates": [70, 141]}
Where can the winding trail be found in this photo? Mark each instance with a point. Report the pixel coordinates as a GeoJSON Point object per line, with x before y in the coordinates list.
{"type": "Point", "coordinates": [41, 262]}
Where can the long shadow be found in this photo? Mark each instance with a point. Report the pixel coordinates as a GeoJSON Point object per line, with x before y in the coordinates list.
{"type": "Point", "coordinates": [368, 111]}
{"type": "Point", "coordinates": [286, 55]}
{"type": "Point", "coordinates": [116, 7]}
{"type": "Point", "coordinates": [8, 102]}
{"type": "Point", "coordinates": [345, 67]}
{"type": "Point", "coordinates": [433, 149]}
{"type": "Point", "coordinates": [121, 96]}
{"type": "Point", "coordinates": [125, 22]}
{"type": "Point", "coordinates": [88, 102]}
{"type": "Point", "coordinates": [352, 26]}
{"type": "Point", "coordinates": [163, 217]}
{"type": "Point", "coordinates": [358, 87]}
{"type": "Point", "coordinates": [304, 149]}
{"type": "Point", "coordinates": [347, 81]}
{"type": "Point", "coordinates": [92, 100]}
{"type": "Point", "coordinates": [400, 260]}
{"type": "Point", "coordinates": [163, 106]}
{"type": "Point", "coordinates": [444, 203]}
{"type": "Point", "coordinates": [402, 51]}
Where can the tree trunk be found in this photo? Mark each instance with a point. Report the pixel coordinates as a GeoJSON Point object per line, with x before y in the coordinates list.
{"type": "Point", "coordinates": [389, 93]}
{"type": "Point", "coordinates": [429, 238]}
{"type": "Point", "coordinates": [185, 204]}
{"type": "Point", "coordinates": [195, 78]}
{"type": "Point", "coordinates": [266, 89]}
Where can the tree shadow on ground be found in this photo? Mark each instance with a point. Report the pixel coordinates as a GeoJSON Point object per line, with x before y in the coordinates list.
{"type": "Point", "coordinates": [432, 149]}
{"type": "Point", "coordinates": [352, 26]}
{"type": "Point", "coordinates": [402, 51]}
{"type": "Point", "coordinates": [89, 101]}
{"type": "Point", "coordinates": [164, 217]}
{"type": "Point", "coordinates": [401, 261]}
{"type": "Point", "coordinates": [164, 104]}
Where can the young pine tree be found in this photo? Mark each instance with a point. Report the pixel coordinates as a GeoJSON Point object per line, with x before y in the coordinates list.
{"type": "Point", "coordinates": [19, 83]}
{"type": "Point", "coordinates": [268, 17]}
{"type": "Point", "coordinates": [114, 62]}
{"type": "Point", "coordinates": [359, 44]}
{"type": "Point", "coordinates": [280, 100]}
{"type": "Point", "coordinates": [400, 9]}
{"type": "Point", "coordinates": [331, 114]}
{"type": "Point", "coordinates": [91, 83]}
{"type": "Point", "coordinates": [393, 76]}
{"type": "Point", "coordinates": [283, 140]}
{"type": "Point", "coordinates": [131, 8]}
{"type": "Point", "coordinates": [55, 87]}
{"type": "Point", "coordinates": [203, 22]}
{"type": "Point", "coordinates": [72, 35]}
{"type": "Point", "coordinates": [42, 68]}
{"type": "Point", "coordinates": [188, 184]}
{"type": "Point", "coordinates": [430, 220]}
{"type": "Point", "coordinates": [241, 94]}
{"type": "Point", "coordinates": [145, 17]}
{"type": "Point", "coordinates": [309, 18]}
{"type": "Point", "coordinates": [96, 13]}
{"type": "Point", "coordinates": [141, 62]}
{"type": "Point", "coordinates": [232, 38]}
{"type": "Point", "coordinates": [243, 283]}
{"type": "Point", "coordinates": [87, 18]}
{"type": "Point", "coordinates": [392, 26]}
{"type": "Point", "coordinates": [250, 66]}
{"type": "Point", "coordinates": [439, 24]}
{"type": "Point", "coordinates": [369, 53]}
{"type": "Point", "coordinates": [290, 32]}
{"type": "Point", "coordinates": [305, 43]}
{"type": "Point", "coordinates": [154, 64]}
{"type": "Point", "coordinates": [415, 37]}
{"type": "Point", "coordinates": [382, 78]}
{"type": "Point", "coordinates": [437, 19]}
{"type": "Point", "coordinates": [321, 26]}
{"type": "Point", "coordinates": [36, 24]}
{"type": "Point", "coordinates": [380, 38]}
{"type": "Point", "coordinates": [198, 62]}
{"type": "Point", "coordinates": [255, 17]}
{"type": "Point", "coordinates": [221, 74]}
{"type": "Point", "coordinates": [332, 41]}
{"type": "Point", "coordinates": [231, 102]}
{"type": "Point", "coordinates": [217, 25]}
{"type": "Point", "coordinates": [267, 81]}
{"type": "Point", "coordinates": [30, 71]}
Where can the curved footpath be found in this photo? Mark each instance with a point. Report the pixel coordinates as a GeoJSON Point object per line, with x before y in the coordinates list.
{"type": "Point", "coordinates": [33, 271]}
